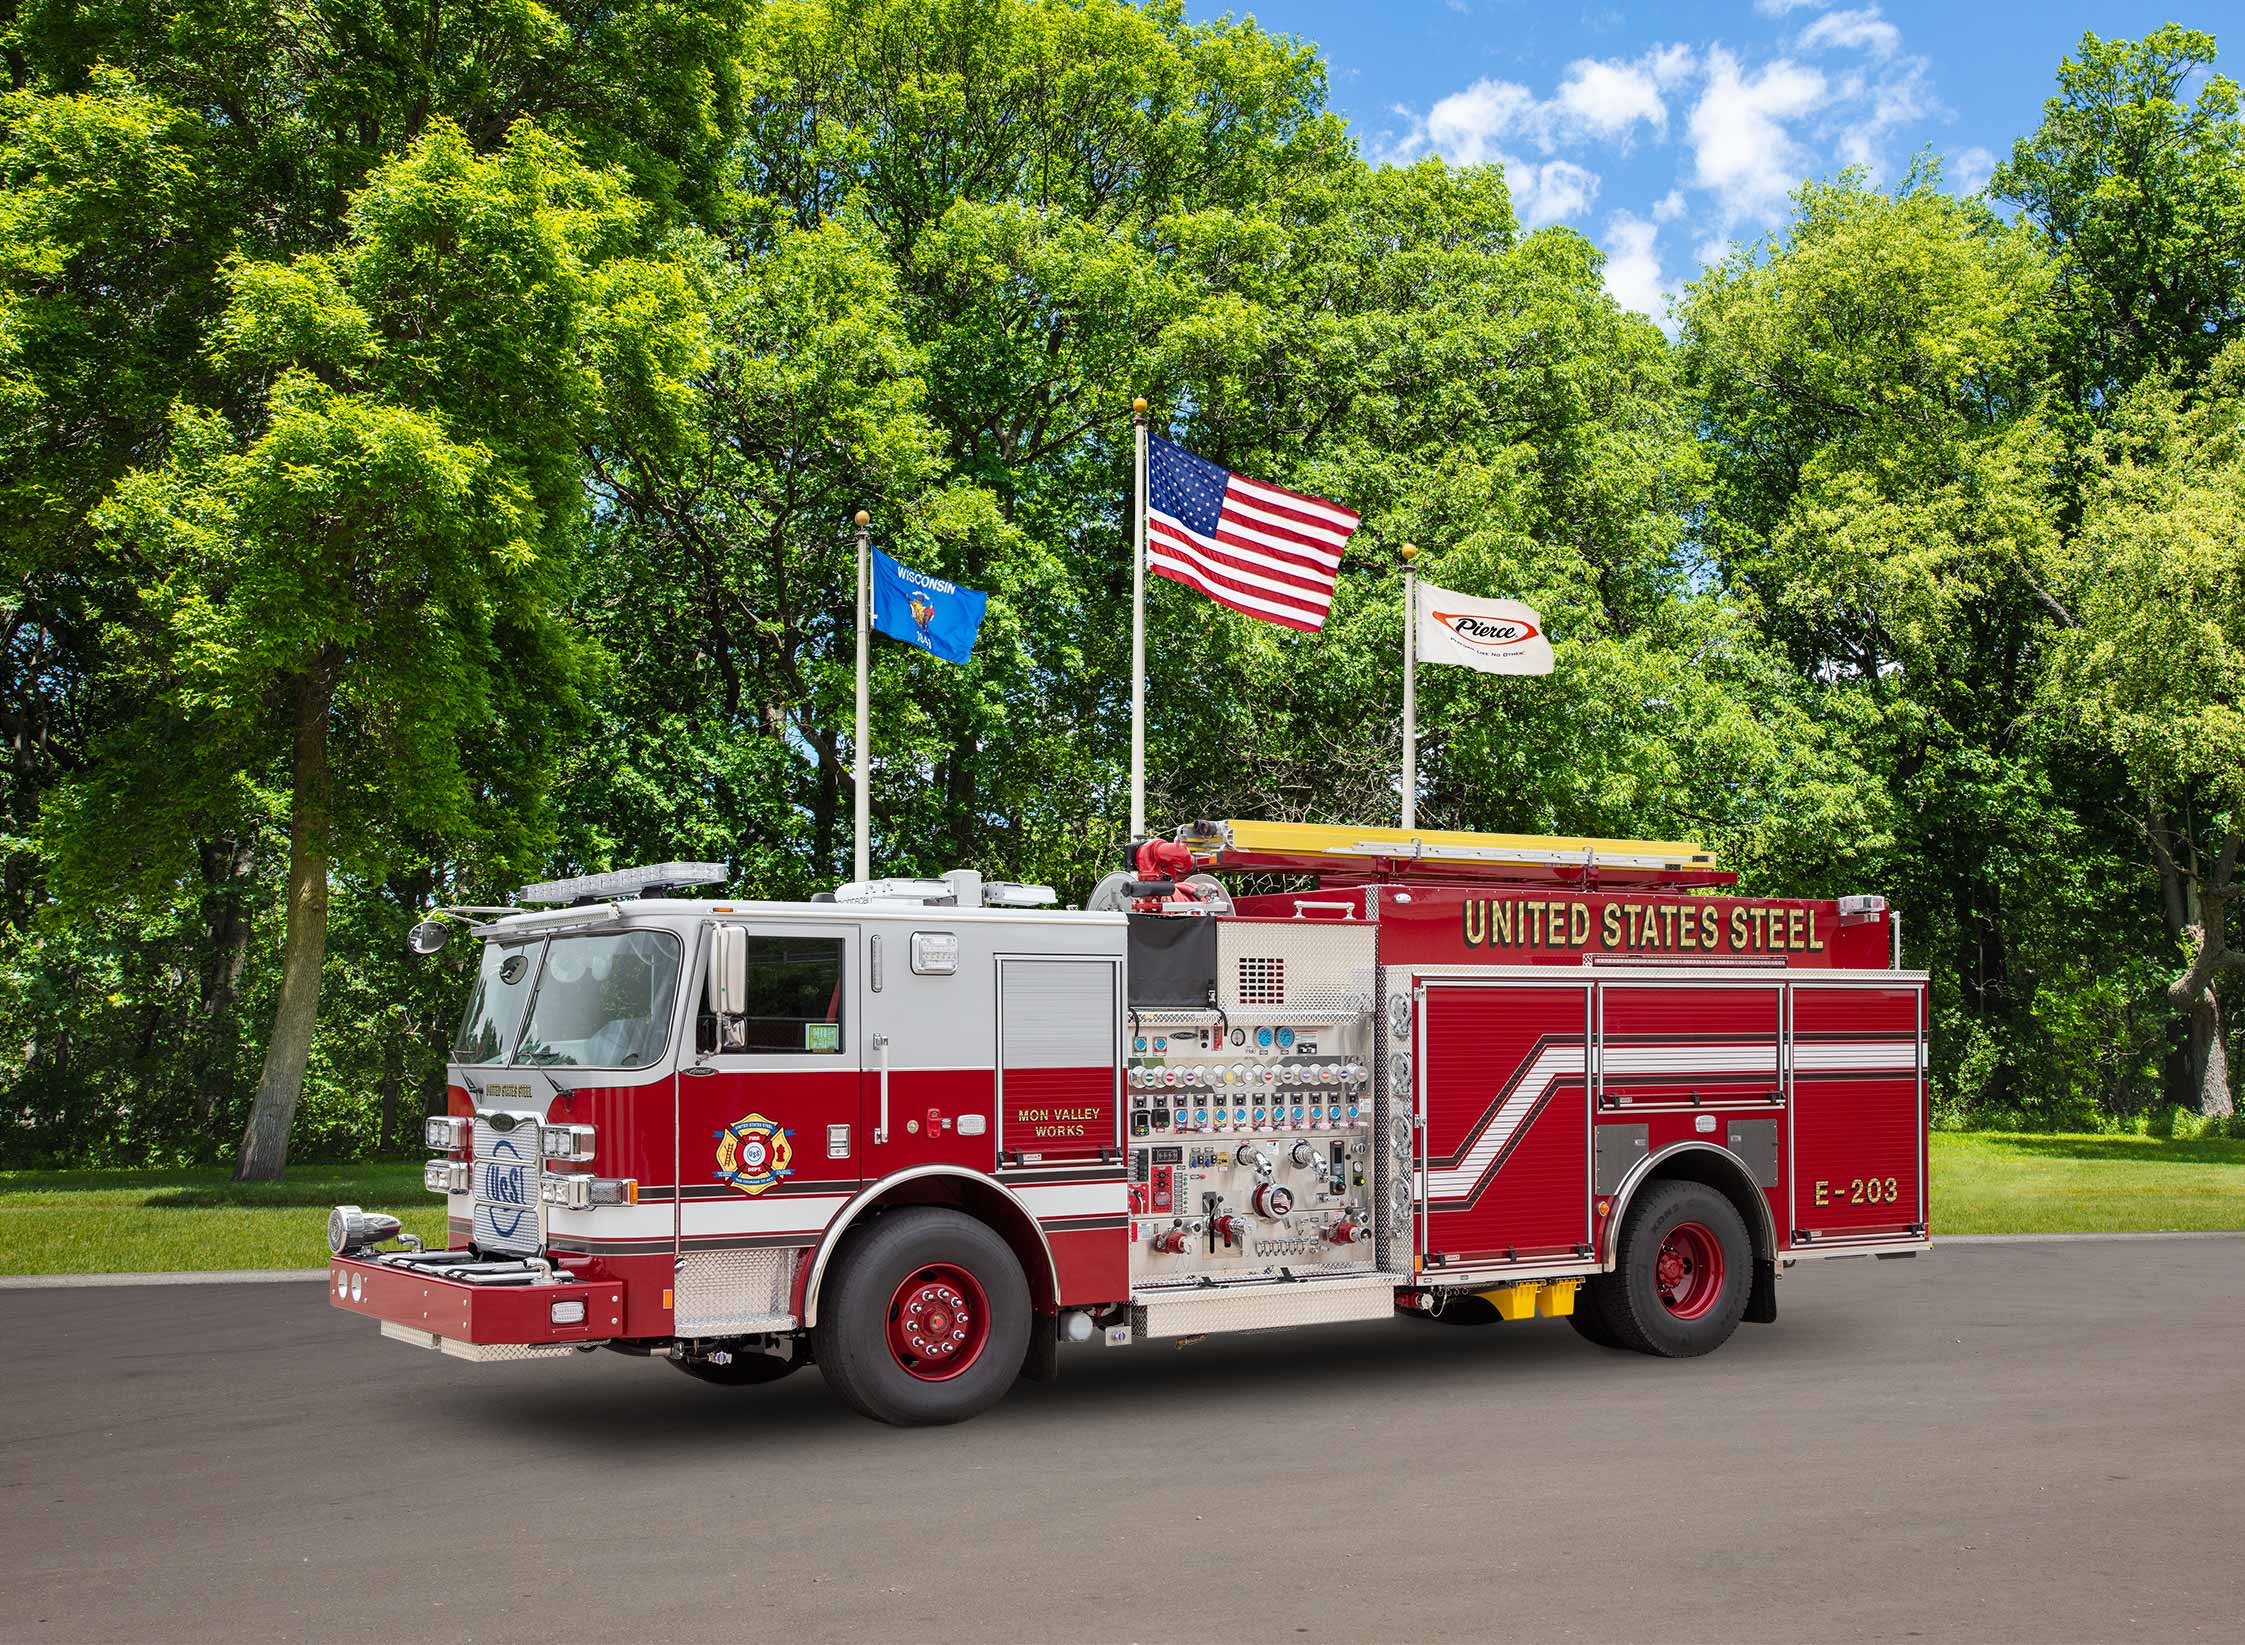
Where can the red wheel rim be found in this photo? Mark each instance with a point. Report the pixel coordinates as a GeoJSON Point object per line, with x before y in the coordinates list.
{"type": "Point", "coordinates": [939, 1321]}
{"type": "Point", "coordinates": [1688, 1273]}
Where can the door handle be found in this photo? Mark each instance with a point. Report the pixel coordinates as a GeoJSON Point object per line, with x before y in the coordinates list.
{"type": "Point", "coordinates": [881, 1047]}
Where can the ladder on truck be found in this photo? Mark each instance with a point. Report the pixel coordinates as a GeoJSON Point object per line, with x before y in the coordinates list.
{"type": "Point", "coordinates": [1341, 854]}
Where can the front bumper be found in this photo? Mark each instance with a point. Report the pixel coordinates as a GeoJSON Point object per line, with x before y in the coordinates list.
{"type": "Point", "coordinates": [479, 1322]}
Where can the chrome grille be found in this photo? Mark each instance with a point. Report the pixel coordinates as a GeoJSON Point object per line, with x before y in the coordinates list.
{"type": "Point", "coordinates": [504, 1190]}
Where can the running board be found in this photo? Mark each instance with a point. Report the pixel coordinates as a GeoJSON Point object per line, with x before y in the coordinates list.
{"type": "Point", "coordinates": [1261, 1305]}
{"type": "Point", "coordinates": [482, 1353]}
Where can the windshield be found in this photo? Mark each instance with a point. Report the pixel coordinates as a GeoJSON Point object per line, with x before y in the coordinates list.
{"type": "Point", "coordinates": [603, 1002]}
{"type": "Point", "coordinates": [495, 1008]}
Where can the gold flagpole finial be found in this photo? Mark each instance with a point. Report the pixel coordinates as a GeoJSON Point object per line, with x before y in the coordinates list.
{"type": "Point", "coordinates": [1138, 406]}
{"type": "Point", "coordinates": [1410, 552]}
{"type": "Point", "coordinates": [863, 519]}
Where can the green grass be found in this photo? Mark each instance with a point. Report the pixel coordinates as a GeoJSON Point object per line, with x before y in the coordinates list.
{"type": "Point", "coordinates": [2024, 1183]}
{"type": "Point", "coordinates": [97, 1222]}
{"type": "Point", "coordinates": [90, 1222]}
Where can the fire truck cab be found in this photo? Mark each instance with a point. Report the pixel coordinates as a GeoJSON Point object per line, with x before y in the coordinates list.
{"type": "Point", "coordinates": [922, 1132]}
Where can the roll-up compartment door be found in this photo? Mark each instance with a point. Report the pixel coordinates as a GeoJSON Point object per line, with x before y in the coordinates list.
{"type": "Point", "coordinates": [1059, 1050]}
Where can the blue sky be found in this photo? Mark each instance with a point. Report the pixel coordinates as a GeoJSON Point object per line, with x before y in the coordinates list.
{"type": "Point", "coordinates": [1666, 133]}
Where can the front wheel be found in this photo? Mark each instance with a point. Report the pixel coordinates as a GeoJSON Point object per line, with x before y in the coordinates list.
{"type": "Point", "coordinates": [925, 1319]}
{"type": "Point", "coordinates": [1682, 1277]}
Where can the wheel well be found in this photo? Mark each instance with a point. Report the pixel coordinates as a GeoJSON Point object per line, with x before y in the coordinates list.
{"type": "Point", "coordinates": [1716, 1168]}
{"type": "Point", "coordinates": [979, 1197]}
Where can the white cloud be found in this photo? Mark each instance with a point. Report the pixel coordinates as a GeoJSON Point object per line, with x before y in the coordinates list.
{"type": "Point", "coordinates": [1753, 122]}
{"type": "Point", "coordinates": [1742, 147]}
{"type": "Point", "coordinates": [1610, 98]}
{"type": "Point", "coordinates": [1970, 170]}
{"type": "Point", "coordinates": [1466, 126]}
{"type": "Point", "coordinates": [1633, 267]}
{"type": "Point", "coordinates": [1551, 192]}
{"type": "Point", "coordinates": [1486, 124]}
{"type": "Point", "coordinates": [1902, 94]}
{"type": "Point", "coordinates": [1863, 30]}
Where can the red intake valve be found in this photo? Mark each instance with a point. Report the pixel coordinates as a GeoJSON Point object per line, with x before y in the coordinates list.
{"type": "Point", "coordinates": [1348, 1231]}
{"type": "Point", "coordinates": [1231, 1229]}
{"type": "Point", "coordinates": [1172, 1241]}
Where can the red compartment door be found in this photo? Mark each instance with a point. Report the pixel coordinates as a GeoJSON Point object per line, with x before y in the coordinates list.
{"type": "Point", "coordinates": [1859, 1117]}
{"type": "Point", "coordinates": [1689, 1044]}
{"type": "Point", "coordinates": [1504, 1096]}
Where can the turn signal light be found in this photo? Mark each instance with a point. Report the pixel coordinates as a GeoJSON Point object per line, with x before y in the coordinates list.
{"type": "Point", "coordinates": [445, 1176]}
{"type": "Point", "coordinates": [445, 1133]}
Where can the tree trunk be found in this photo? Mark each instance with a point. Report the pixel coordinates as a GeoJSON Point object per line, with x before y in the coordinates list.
{"type": "Point", "coordinates": [226, 863]}
{"type": "Point", "coordinates": [2215, 1099]}
{"type": "Point", "coordinates": [264, 1152]}
{"type": "Point", "coordinates": [2193, 993]}
{"type": "Point", "coordinates": [393, 1079]}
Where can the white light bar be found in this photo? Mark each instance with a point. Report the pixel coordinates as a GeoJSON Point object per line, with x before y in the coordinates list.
{"type": "Point", "coordinates": [908, 891]}
{"type": "Point", "coordinates": [626, 882]}
{"type": "Point", "coordinates": [961, 888]}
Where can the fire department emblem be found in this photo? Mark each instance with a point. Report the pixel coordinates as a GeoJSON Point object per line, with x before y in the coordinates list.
{"type": "Point", "coordinates": [753, 1153]}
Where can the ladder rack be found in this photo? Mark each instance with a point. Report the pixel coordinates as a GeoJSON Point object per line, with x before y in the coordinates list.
{"type": "Point", "coordinates": [1344, 855]}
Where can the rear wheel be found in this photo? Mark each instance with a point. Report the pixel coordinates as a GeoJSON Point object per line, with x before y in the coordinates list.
{"type": "Point", "coordinates": [925, 1318]}
{"type": "Point", "coordinates": [1682, 1277]}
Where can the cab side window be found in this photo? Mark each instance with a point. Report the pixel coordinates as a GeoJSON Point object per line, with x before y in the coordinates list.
{"type": "Point", "coordinates": [794, 998]}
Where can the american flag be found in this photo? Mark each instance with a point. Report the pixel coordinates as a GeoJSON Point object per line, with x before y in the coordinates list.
{"type": "Point", "coordinates": [1257, 548]}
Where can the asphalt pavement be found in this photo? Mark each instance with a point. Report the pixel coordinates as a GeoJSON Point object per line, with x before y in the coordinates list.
{"type": "Point", "coordinates": [2030, 1442]}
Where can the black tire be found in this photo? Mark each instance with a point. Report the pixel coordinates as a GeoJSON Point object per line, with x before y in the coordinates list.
{"type": "Point", "coordinates": [745, 1371]}
{"type": "Point", "coordinates": [1628, 1302]}
{"type": "Point", "coordinates": [1589, 1319]}
{"type": "Point", "coordinates": [851, 1341]}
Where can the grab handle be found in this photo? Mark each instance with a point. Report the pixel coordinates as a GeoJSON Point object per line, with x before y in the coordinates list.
{"type": "Point", "coordinates": [881, 1045]}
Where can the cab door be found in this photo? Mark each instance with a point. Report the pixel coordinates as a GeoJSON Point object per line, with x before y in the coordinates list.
{"type": "Point", "coordinates": [768, 1135]}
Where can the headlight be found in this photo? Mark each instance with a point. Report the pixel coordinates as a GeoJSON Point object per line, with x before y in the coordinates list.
{"type": "Point", "coordinates": [570, 1192]}
{"type": "Point", "coordinates": [565, 1142]}
{"type": "Point", "coordinates": [445, 1176]}
{"type": "Point", "coordinates": [351, 1229]}
{"type": "Point", "coordinates": [446, 1133]}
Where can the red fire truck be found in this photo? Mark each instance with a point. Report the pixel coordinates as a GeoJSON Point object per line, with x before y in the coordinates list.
{"type": "Point", "coordinates": [925, 1131]}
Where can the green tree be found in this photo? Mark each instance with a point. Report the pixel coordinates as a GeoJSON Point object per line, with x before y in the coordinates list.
{"type": "Point", "coordinates": [1872, 401]}
{"type": "Point", "coordinates": [2152, 666]}
{"type": "Point", "coordinates": [360, 582]}
{"type": "Point", "coordinates": [2141, 197]}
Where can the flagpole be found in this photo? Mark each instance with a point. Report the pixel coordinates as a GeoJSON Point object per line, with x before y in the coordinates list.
{"type": "Point", "coordinates": [861, 847]}
{"type": "Point", "coordinates": [1410, 687]}
{"type": "Point", "coordinates": [1138, 626]}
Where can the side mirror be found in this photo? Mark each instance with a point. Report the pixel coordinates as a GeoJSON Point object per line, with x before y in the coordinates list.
{"type": "Point", "coordinates": [728, 971]}
{"type": "Point", "coordinates": [428, 936]}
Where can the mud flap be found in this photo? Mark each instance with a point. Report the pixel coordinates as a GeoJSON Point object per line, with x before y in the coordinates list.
{"type": "Point", "coordinates": [1042, 1362]}
{"type": "Point", "coordinates": [1761, 1301]}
